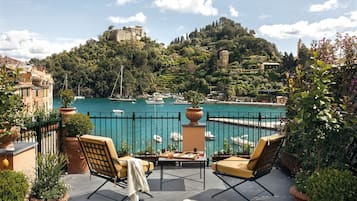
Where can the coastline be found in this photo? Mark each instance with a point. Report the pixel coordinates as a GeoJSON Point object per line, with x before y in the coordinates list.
{"type": "Point", "coordinates": [247, 103]}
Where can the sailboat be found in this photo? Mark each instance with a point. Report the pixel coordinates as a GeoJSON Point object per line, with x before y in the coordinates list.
{"type": "Point", "coordinates": [120, 96]}
{"type": "Point", "coordinates": [79, 94]}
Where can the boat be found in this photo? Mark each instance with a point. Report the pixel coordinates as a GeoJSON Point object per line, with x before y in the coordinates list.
{"type": "Point", "coordinates": [155, 100]}
{"type": "Point", "coordinates": [209, 135]}
{"type": "Point", "coordinates": [120, 97]}
{"type": "Point", "coordinates": [181, 101]}
{"type": "Point", "coordinates": [157, 138]}
{"type": "Point", "coordinates": [79, 94]}
{"type": "Point", "coordinates": [176, 136]}
{"type": "Point", "coordinates": [117, 111]}
{"type": "Point", "coordinates": [241, 142]}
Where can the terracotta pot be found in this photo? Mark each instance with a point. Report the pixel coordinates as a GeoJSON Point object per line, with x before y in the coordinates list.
{"type": "Point", "coordinates": [66, 112]}
{"type": "Point", "coordinates": [299, 196]}
{"type": "Point", "coordinates": [76, 163]}
{"type": "Point", "coordinates": [194, 114]}
{"type": "Point", "coordinates": [64, 198]}
{"type": "Point", "coordinates": [7, 141]}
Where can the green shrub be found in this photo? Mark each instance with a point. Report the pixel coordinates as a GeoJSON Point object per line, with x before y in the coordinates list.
{"type": "Point", "coordinates": [78, 124]}
{"type": "Point", "coordinates": [67, 97]}
{"type": "Point", "coordinates": [13, 185]}
{"type": "Point", "coordinates": [332, 184]}
{"type": "Point", "coordinates": [48, 183]}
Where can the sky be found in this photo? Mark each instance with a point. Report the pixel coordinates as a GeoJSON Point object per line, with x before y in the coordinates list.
{"type": "Point", "coordinates": [39, 28]}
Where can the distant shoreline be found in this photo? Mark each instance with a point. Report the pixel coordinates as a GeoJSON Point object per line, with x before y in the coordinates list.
{"type": "Point", "coordinates": [247, 103]}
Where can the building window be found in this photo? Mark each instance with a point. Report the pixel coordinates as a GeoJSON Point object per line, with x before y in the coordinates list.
{"type": "Point", "coordinates": [36, 92]}
{"type": "Point", "coordinates": [22, 92]}
{"type": "Point", "coordinates": [27, 92]}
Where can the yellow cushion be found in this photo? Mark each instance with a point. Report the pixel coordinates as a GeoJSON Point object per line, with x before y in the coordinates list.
{"type": "Point", "coordinates": [122, 162]}
{"type": "Point", "coordinates": [263, 141]}
{"type": "Point", "coordinates": [235, 166]}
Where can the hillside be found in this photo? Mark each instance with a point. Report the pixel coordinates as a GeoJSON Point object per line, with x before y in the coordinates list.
{"type": "Point", "coordinates": [188, 63]}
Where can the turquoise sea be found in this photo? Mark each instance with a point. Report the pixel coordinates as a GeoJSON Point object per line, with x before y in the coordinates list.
{"type": "Point", "coordinates": [146, 129]}
{"type": "Point", "coordinates": [104, 105]}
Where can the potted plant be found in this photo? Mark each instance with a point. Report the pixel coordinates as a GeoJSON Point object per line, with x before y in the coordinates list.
{"type": "Point", "coordinates": [67, 99]}
{"type": "Point", "coordinates": [194, 113]}
{"type": "Point", "coordinates": [77, 124]}
{"type": "Point", "coordinates": [320, 128]}
{"type": "Point", "coordinates": [13, 185]}
{"type": "Point", "coordinates": [332, 184]}
{"type": "Point", "coordinates": [226, 152]}
{"type": "Point", "coordinates": [48, 184]}
{"type": "Point", "coordinates": [148, 153]}
{"type": "Point", "coordinates": [124, 149]}
{"type": "Point", "coordinates": [11, 107]}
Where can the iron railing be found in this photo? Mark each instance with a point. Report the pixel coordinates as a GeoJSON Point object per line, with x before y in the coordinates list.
{"type": "Point", "coordinates": [240, 132]}
{"type": "Point", "coordinates": [142, 132]}
{"type": "Point", "coordinates": [45, 132]}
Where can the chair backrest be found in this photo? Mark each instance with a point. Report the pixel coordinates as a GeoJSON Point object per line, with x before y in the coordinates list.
{"type": "Point", "coordinates": [99, 153]}
{"type": "Point", "coordinates": [264, 155]}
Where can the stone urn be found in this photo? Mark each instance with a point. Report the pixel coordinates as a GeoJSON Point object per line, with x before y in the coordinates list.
{"type": "Point", "coordinates": [194, 115]}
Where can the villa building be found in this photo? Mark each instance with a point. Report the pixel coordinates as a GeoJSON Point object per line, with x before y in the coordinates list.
{"type": "Point", "coordinates": [127, 33]}
{"type": "Point", "coordinates": [35, 85]}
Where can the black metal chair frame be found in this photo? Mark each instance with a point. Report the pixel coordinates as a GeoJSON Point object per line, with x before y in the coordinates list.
{"type": "Point", "coordinates": [105, 169]}
{"type": "Point", "coordinates": [262, 168]}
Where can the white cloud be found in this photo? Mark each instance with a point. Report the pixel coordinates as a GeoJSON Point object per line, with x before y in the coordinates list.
{"type": "Point", "coordinates": [203, 7]}
{"type": "Point", "coordinates": [233, 11]}
{"type": "Point", "coordinates": [122, 2]}
{"type": "Point", "coordinates": [24, 45]}
{"type": "Point", "coordinates": [324, 28]}
{"type": "Point", "coordinates": [139, 17]}
{"type": "Point", "coordinates": [327, 5]}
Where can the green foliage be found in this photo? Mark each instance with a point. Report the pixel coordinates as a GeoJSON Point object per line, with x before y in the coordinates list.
{"type": "Point", "coordinates": [124, 149]}
{"type": "Point", "coordinates": [48, 184]}
{"type": "Point", "coordinates": [13, 185]}
{"type": "Point", "coordinates": [78, 124]}
{"type": "Point", "coordinates": [186, 64]}
{"type": "Point", "coordinates": [171, 147]}
{"type": "Point", "coordinates": [11, 106]}
{"type": "Point", "coordinates": [321, 124]}
{"type": "Point", "coordinates": [195, 98]}
{"type": "Point", "coordinates": [67, 97]}
{"type": "Point", "coordinates": [332, 184]}
{"type": "Point", "coordinates": [227, 148]}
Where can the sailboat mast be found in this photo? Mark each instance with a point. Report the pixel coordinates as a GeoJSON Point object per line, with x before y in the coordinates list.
{"type": "Point", "coordinates": [121, 81]}
{"type": "Point", "coordinates": [115, 84]}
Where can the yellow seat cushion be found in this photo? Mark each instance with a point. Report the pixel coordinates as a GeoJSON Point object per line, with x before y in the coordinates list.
{"type": "Point", "coordinates": [263, 141]}
{"type": "Point", "coordinates": [235, 166]}
{"type": "Point", "coordinates": [122, 161]}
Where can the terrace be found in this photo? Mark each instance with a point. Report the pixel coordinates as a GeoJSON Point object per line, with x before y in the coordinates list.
{"type": "Point", "coordinates": [138, 129]}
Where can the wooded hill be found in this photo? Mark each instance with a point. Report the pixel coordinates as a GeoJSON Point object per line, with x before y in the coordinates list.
{"type": "Point", "coordinates": [188, 63]}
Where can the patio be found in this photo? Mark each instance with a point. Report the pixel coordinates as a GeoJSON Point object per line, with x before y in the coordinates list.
{"type": "Point", "coordinates": [178, 189]}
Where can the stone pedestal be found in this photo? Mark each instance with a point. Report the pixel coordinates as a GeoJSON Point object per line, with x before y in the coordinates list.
{"type": "Point", "coordinates": [23, 159]}
{"type": "Point", "coordinates": [193, 137]}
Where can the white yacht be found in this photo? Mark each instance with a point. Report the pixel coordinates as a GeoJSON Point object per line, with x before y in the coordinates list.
{"type": "Point", "coordinates": [155, 100]}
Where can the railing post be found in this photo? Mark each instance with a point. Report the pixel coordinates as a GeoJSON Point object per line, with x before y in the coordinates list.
{"type": "Point", "coordinates": [133, 133]}
{"type": "Point", "coordinates": [60, 134]}
{"type": "Point", "coordinates": [38, 134]}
